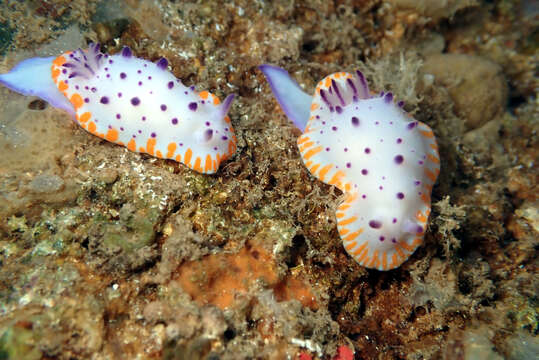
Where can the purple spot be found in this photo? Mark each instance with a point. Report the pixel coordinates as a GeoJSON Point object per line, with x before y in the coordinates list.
{"type": "Point", "coordinates": [348, 165]}
{"type": "Point", "coordinates": [382, 238]}
{"type": "Point", "coordinates": [77, 87]}
{"type": "Point", "coordinates": [400, 196]}
{"type": "Point", "coordinates": [225, 138]}
{"type": "Point", "coordinates": [208, 134]}
{"type": "Point", "coordinates": [207, 123]}
{"type": "Point", "coordinates": [345, 149]}
{"type": "Point", "coordinates": [104, 100]}
{"type": "Point", "coordinates": [153, 135]}
{"type": "Point", "coordinates": [93, 89]}
{"type": "Point", "coordinates": [327, 149]}
{"type": "Point", "coordinates": [412, 125]}
{"type": "Point", "coordinates": [123, 75]}
{"type": "Point", "coordinates": [121, 128]}
{"type": "Point", "coordinates": [338, 109]}
{"type": "Point", "coordinates": [144, 118]}
{"type": "Point", "coordinates": [119, 94]}
{"type": "Point", "coordinates": [420, 162]}
{"type": "Point", "coordinates": [174, 121]}
{"type": "Point", "coordinates": [364, 172]}
{"type": "Point", "coordinates": [170, 84]}
{"type": "Point", "coordinates": [355, 121]}
{"type": "Point", "coordinates": [86, 100]}
{"type": "Point", "coordinates": [419, 229]}
{"type": "Point", "coordinates": [394, 220]}
{"type": "Point", "coordinates": [135, 101]}
{"type": "Point", "coordinates": [399, 159]}
{"type": "Point", "coordinates": [149, 77]}
{"type": "Point", "coordinates": [64, 71]}
{"type": "Point", "coordinates": [400, 103]}
{"type": "Point", "coordinates": [377, 123]}
{"type": "Point", "coordinates": [140, 131]}
{"type": "Point", "coordinates": [140, 83]}
{"type": "Point", "coordinates": [334, 128]}
{"type": "Point", "coordinates": [181, 144]}
{"type": "Point", "coordinates": [417, 183]}
{"type": "Point", "coordinates": [367, 151]}
{"type": "Point", "coordinates": [399, 141]}
{"type": "Point", "coordinates": [139, 71]}
{"type": "Point", "coordinates": [193, 106]}
{"type": "Point", "coordinates": [118, 116]}
{"type": "Point", "coordinates": [108, 76]}
{"type": "Point", "coordinates": [375, 224]}
{"type": "Point", "coordinates": [381, 187]}
{"type": "Point", "coordinates": [394, 240]}
{"type": "Point", "coordinates": [163, 107]}
{"type": "Point", "coordinates": [363, 196]}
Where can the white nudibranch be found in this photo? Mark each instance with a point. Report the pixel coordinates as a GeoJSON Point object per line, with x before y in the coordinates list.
{"type": "Point", "coordinates": [384, 161]}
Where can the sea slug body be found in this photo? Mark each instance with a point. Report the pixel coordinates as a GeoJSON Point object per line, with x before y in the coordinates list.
{"type": "Point", "coordinates": [384, 161]}
{"type": "Point", "coordinates": [132, 102]}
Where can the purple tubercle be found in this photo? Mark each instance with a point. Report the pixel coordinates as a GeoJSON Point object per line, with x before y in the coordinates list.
{"type": "Point", "coordinates": [163, 107]}
{"type": "Point", "coordinates": [162, 63]}
{"type": "Point", "coordinates": [412, 125]}
{"type": "Point", "coordinates": [104, 100]}
{"type": "Point", "coordinates": [123, 75]}
{"type": "Point", "coordinates": [193, 106]}
{"type": "Point", "coordinates": [399, 159]}
{"type": "Point", "coordinates": [126, 52]}
{"type": "Point", "coordinates": [208, 134]}
{"type": "Point", "coordinates": [355, 121]}
{"type": "Point", "coordinates": [375, 224]}
{"type": "Point", "coordinates": [135, 101]}
{"type": "Point", "coordinates": [175, 121]}
{"type": "Point", "coordinates": [170, 84]}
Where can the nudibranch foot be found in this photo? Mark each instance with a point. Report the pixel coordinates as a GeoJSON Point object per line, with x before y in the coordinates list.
{"type": "Point", "coordinates": [384, 161]}
{"type": "Point", "coordinates": [132, 102]}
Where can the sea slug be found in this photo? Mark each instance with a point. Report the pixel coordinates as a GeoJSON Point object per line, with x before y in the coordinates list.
{"type": "Point", "coordinates": [132, 102]}
{"type": "Point", "coordinates": [384, 161]}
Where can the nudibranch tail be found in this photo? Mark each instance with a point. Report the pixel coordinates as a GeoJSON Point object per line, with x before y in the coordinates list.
{"type": "Point", "coordinates": [32, 77]}
{"type": "Point", "coordinates": [293, 100]}
{"type": "Point", "coordinates": [134, 103]}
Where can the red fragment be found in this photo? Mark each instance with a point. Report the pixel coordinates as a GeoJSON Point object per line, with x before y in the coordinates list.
{"type": "Point", "coordinates": [344, 353]}
{"type": "Point", "coordinates": [305, 356]}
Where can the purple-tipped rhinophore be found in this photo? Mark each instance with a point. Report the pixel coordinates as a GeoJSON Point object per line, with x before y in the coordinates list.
{"type": "Point", "coordinates": [126, 52]}
{"type": "Point", "coordinates": [162, 63]}
{"type": "Point", "coordinates": [226, 104]}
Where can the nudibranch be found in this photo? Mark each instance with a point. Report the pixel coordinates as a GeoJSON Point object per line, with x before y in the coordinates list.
{"type": "Point", "coordinates": [132, 102]}
{"type": "Point", "coordinates": [383, 160]}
